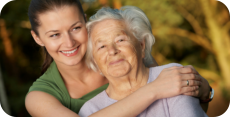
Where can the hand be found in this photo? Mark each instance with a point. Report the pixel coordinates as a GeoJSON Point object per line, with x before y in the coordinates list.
{"type": "Point", "coordinates": [172, 81]}
{"type": "Point", "coordinates": [204, 89]}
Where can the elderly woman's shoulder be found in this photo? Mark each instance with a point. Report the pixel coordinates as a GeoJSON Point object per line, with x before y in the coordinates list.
{"type": "Point", "coordinates": [171, 65]}
{"type": "Point", "coordinates": [191, 106]}
{"type": "Point", "coordinates": [160, 68]}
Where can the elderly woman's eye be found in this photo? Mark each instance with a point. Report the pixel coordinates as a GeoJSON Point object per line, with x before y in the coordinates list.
{"type": "Point", "coordinates": [120, 40]}
{"type": "Point", "coordinates": [102, 47]}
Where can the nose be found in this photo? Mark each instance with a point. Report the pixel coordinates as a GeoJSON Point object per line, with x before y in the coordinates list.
{"type": "Point", "coordinates": [113, 50]}
{"type": "Point", "coordinates": [69, 40]}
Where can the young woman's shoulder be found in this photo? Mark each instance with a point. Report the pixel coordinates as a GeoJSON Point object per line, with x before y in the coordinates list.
{"type": "Point", "coordinates": [50, 82]}
{"type": "Point", "coordinates": [48, 95]}
{"type": "Point", "coordinates": [42, 104]}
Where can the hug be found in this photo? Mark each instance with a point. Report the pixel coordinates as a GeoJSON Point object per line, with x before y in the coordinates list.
{"type": "Point", "coordinates": [106, 65]}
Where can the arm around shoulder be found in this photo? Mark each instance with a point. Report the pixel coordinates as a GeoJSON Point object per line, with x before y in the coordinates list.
{"type": "Point", "coordinates": [41, 104]}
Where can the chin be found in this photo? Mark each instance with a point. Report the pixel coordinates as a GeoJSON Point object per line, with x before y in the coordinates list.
{"type": "Point", "coordinates": [119, 71]}
{"type": "Point", "coordinates": [71, 63]}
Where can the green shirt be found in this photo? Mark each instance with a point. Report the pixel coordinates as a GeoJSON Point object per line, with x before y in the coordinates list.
{"type": "Point", "coordinates": [51, 82]}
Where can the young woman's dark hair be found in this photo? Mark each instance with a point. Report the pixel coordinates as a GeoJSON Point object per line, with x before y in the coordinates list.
{"type": "Point", "coordinates": [41, 6]}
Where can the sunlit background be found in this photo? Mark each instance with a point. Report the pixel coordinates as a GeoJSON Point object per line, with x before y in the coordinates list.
{"type": "Point", "coordinates": [189, 32]}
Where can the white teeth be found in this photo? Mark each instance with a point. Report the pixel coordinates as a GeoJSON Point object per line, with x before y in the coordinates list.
{"type": "Point", "coordinates": [69, 52]}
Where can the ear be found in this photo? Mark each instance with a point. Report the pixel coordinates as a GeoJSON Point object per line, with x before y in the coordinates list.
{"type": "Point", "coordinates": [36, 38]}
{"type": "Point", "coordinates": [143, 48]}
{"type": "Point", "coordinates": [86, 17]}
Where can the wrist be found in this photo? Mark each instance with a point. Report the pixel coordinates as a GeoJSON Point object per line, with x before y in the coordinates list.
{"type": "Point", "coordinates": [153, 92]}
{"type": "Point", "coordinates": [206, 95]}
{"type": "Point", "coordinates": [211, 94]}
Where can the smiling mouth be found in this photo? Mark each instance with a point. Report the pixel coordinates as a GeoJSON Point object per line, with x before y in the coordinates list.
{"type": "Point", "coordinates": [115, 62]}
{"type": "Point", "coordinates": [71, 52]}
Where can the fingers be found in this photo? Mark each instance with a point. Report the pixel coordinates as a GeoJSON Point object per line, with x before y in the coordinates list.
{"type": "Point", "coordinates": [190, 83]}
{"type": "Point", "coordinates": [192, 93]}
{"type": "Point", "coordinates": [175, 67]}
{"type": "Point", "coordinates": [186, 70]}
{"type": "Point", "coordinates": [190, 66]}
{"type": "Point", "coordinates": [190, 77]}
{"type": "Point", "coordinates": [192, 90]}
{"type": "Point", "coordinates": [183, 69]}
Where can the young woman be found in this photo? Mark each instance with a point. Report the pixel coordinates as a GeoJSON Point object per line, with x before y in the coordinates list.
{"type": "Point", "coordinates": [67, 83]}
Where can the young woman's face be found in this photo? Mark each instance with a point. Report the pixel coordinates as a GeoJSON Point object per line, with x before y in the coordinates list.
{"type": "Point", "coordinates": [63, 33]}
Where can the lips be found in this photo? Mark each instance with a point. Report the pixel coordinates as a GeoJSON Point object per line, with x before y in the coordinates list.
{"type": "Point", "coordinates": [69, 53]}
{"type": "Point", "coordinates": [116, 61]}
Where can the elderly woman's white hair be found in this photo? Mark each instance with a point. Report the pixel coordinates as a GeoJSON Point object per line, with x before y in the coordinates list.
{"type": "Point", "coordinates": [137, 23]}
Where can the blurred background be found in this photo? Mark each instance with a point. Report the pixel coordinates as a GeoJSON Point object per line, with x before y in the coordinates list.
{"type": "Point", "coordinates": [189, 32]}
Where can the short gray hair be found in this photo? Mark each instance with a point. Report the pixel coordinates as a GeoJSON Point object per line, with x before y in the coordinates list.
{"type": "Point", "coordinates": [137, 23]}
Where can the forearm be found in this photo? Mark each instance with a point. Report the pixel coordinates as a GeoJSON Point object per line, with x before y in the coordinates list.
{"type": "Point", "coordinates": [130, 106]}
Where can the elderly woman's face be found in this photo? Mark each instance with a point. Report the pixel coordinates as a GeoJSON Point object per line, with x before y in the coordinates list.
{"type": "Point", "coordinates": [115, 51]}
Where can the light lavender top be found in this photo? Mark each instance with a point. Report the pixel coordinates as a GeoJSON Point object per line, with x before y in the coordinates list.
{"type": "Point", "coordinates": [178, 106]}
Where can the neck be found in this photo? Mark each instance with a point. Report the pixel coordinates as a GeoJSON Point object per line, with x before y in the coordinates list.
{"type": "Point", "coordinates": [73, 73]}
{"type": "Point", "coordinates": [121, 87]}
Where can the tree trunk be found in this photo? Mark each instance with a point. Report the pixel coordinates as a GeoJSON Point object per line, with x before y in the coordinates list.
{"type": "Point", "coordinates": [220, 42]}
{"type": "Point", "coordinates": [117, 4]}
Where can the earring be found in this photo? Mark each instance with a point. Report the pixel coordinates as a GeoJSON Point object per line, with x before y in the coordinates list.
{"type": "Point", "coordinates": [42, 44]}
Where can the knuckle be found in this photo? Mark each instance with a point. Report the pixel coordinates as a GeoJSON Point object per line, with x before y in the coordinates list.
{"type": "Point", "coordinates": [178, 84]}
{"type": "Point", "coordinates": [197, 92]}
{"type": "Point", "coordinates": [189, 69]}
{"type": "Point", "coordinates": [191, 82]}
{"type": "Point", "coordinates": [192, 76]}
{"type": "Point", "coordinates": [178, 90]}
{"type": "Point", "coordinates": [178, 77]}
{"type": "Point", "coordinates": [176, 71]}
{"type": "Point", "coordinates": [192, 89]}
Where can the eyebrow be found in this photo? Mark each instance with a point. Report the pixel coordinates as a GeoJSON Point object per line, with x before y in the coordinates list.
{"type": "Point", "coordinates": [70, 27]}
{"type": "Point", "coordinates": [98, 41]}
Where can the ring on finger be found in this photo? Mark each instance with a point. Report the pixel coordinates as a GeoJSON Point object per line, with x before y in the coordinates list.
{"type": "Point", "coordinates": [187, 83]}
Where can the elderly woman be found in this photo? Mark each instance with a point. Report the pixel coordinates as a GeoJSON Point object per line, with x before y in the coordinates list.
{"type": "Point", "coordinates": [119, 46]}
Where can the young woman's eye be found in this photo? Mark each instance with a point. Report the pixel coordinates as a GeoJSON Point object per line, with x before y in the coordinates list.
{"type": "Point", "coordinates": [55, 35]}
{"type": "Point", "coordinates": [76, 28]}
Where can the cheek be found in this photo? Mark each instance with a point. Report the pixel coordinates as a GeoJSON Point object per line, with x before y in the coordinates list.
{"type": "Point", "coordinates": [83, 36]}
{"type": "Point", "coordinates": [100, 59]}
{"type": "Point", "coordinates": [129, 50]}
{"type": "Point", "coordinates": [131, 54]}
{"type": "Point", "coordinates": [52, 45]}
